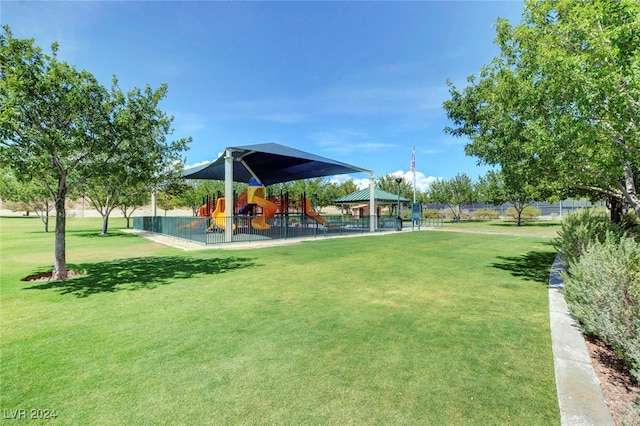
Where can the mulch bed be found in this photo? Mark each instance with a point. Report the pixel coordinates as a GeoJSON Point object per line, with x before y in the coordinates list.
{"type": "Point", "coordinates": [619, 389]}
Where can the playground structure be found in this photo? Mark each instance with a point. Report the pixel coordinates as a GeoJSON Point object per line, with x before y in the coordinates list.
{"type": "Point", "coordinates": [255, 209]}
{"type": "Point", "coordinates": [230, 218]}
{"type": "Point", "coordinates": [218, 216]}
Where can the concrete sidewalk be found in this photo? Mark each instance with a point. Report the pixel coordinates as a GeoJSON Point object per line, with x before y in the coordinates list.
{"type": "Point", "coordinates": [580, 396]}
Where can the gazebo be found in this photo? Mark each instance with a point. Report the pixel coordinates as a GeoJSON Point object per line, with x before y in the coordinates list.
{"type": "Point", "coordinates": [360, 200]}
{"type": "Point", "coordinates": [272, 163]}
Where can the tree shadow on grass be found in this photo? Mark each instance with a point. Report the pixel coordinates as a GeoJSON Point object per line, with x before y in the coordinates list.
{"type": "Point", "coordinates": [140, 273]}
{"type": "Point", "coordinates": [532, 266]}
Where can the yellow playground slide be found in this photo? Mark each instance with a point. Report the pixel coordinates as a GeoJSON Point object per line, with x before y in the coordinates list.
{"type": "Point", "coordinates": [268, 210]}
{"type": "Point", "coordinates": [218, 217]}
{"type": "Point", "coordinates": [313, 215]}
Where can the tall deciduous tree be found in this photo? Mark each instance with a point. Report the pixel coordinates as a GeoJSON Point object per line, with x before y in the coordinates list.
{"type": "Point", "coordinates": [388, 183]}
{"type": "Point", "coordinates": [454, 193]}
{"type": "Point", "coordinates": [30, 195]}
{"type": "Point", "coordinates": [346, 187]}
{"type": "Point", "coordinates": [496, 189]}
{"type": "Point", "coordinates": [145, 158]}
{"type": "Point", "coordinates": [57, 126]}
{"type": "Point", "coordinates": [135, 197]}
{"type": "Point", "coordinates": [196, 192]}
{"type": "Point", "coordinates": [565, 91]}
{"type": "Point", "coordinates": [52, 122]}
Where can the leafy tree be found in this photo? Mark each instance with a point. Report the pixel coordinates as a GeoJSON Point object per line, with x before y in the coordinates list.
{"type": "Point", "coordinates": [318, 190]}
{"type": "Point", "coordinates": [388, 183]}
{"type": "Point", "coordinates": [135, 197]}
{"type": "Point", "coordinates": [57, 127]}
{"type": "Point", "coordinates": [454, 193]}
{"type": "Point", "coordinates": [51, 125]}
{"type": "Point", "coordinates": [145, 158]}
{"type": "Point", "coordinates": [346, 188]}
{"type": "Point", "coordinates": [169, 192]}
{"type": "Point", "coordinates": [494, 188]}
{"type": "Point", "coordinates": [30, 195]}
{"type": "Point", "coordinates": [165, 200]}
{"type": "Point", "coordinates": [565, 94]}
{"type": "Point", "coordinates": [196, 192]}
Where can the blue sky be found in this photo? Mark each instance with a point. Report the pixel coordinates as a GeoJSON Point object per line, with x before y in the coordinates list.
{"type": "Point", "coordinates": [358, 82]}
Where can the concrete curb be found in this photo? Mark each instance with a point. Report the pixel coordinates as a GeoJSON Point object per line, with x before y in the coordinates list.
{"type": "Point", "coordinates": [580, 396]}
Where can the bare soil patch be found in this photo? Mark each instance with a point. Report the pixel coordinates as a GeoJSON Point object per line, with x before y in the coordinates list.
{"type": "Point", "coordinates": [46, 276]}
{"type": "Point", "coordinates": [620, 390]}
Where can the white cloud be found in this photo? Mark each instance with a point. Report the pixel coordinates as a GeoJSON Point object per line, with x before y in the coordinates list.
{"type": "Point", "coordinates": [201, 163]}
{"type": "Point", "coordinates": [422, 182]}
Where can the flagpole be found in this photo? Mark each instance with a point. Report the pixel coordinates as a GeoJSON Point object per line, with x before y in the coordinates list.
{"type": "Point", "coordinates": [413, 170]}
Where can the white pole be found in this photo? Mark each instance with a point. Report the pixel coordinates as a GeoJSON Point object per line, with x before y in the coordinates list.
{"type": "Point", "coordinates": [373, 220]}
{"type": "Point", "coordinates": [154, 202]}
{"type": "Point", "coordinates": [560, 209]}
{"type": "Point", "coordinates": [228, 196]}
{"type": "Point", "coordinates": [413, 170]}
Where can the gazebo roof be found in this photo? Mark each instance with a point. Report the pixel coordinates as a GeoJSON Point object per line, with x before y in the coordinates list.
{"type": "Point", "coordinates": [363, 196]}
{"type": "Point", "coordinates": [271, 163]}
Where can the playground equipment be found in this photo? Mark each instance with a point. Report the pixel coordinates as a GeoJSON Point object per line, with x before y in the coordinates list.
{"type": "Point", "coordinates": [263, 219]}
{"type": "Point", "coordinates": [309, 212]}
{"type": "Point", "coordinates": [219, 216]}
{"type": "Point", "coordinates": [255, 195]}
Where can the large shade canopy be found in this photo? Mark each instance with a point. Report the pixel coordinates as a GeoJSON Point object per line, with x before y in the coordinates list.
{"type": "Point", "coordinates": [271, 163]}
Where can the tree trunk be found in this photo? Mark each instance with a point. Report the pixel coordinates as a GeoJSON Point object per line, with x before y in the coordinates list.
{"type": "Point", "coordinates": [105, 224]}
{"type": "Point", "coordinates": [519, 208]}
{"type": "Point", "coordinates": [631, 191]}
{"type": "Point", "coordinates": [616, 209]}
{"type": "Point", "coordinates": [60, 265]}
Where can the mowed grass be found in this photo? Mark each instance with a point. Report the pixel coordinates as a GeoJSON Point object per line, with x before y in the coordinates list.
{"type": "Point", "coordinates": [534, 228]}
{"type": "Point", "coordinates": [405, 328]}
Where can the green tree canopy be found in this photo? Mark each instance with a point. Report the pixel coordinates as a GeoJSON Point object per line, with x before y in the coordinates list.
{"type": "Point", "coordinates": [145, 159]}
{"type": "Point", "coordinates": [561, 103]}
{"type": "Point", "coordinates": [454, 193]}
{"type": "Point", "coordinates": [29, 195]}
{"type": "Point", "coordinates": [58, 126]}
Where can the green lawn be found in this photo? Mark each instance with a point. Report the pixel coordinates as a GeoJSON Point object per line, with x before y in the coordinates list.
{"type": "Point", "coordinates": [536, 228]}
{"type": "Point", "coordinates": [405, 328]}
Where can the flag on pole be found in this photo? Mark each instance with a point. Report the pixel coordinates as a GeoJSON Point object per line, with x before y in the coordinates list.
{"type": "Point", "coordinates": [413, 160]}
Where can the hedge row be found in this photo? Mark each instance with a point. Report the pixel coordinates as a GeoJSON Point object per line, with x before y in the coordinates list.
{"type": "Point", "coordinates": [602, 281]}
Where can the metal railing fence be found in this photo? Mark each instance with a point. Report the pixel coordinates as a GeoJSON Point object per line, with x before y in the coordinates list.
{"type": "Point", "coordinates": [206, 231]}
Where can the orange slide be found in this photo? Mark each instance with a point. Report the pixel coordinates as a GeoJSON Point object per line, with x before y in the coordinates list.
{"type": "Point", "coordinates": [219, 217]}
{"type": "Point", "coordinates": [268, 210]}
{"type": "Point", "coordinates": [313, 215]}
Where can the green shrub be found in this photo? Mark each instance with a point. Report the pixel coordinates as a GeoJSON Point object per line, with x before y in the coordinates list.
{"type": "Point", "coordinates": [406, 214]}
{"type": "Point", "coordinates": [581, 228]}
{"type": "Point", "coordinates": [486, 214]}
{"type": "Point", "coordinates": [602, 290]}
{"type": "Point", "coordinates": [447, 213]}
{"type": "Point", "coordinates": [631, 223]}
{"type": "Point", "coordinates": [431, 213]}
{"type": "Point", "coordinates": [528, 213]}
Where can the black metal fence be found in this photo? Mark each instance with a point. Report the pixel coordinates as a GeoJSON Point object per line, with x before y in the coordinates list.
{"type": "Point", "coordinates": [206, 231]}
